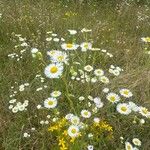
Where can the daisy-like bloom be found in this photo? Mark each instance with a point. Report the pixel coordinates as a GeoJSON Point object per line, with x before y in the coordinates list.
{"type": "Point", "coordinates": [128, 146]}
{"type": "Point", "coordinates": [50, 102]}
{"type": "Point", "coordinates": [59, 57]}
{"type": "Point", "coordinates": [145, 39]}
{"type": "Point", "coordinates": [69, 46]}
{"type": "Point", "coordinates": [85, 46]}
{"type": "Point", "coordinates": [123, 108]}
{"type": "Point", "coordinates": [72, 32]}
{"type": "Point", "coordinates": [85, 114]}
{"type": "Point", "coordinates": [99, 72]}
{"type": "Point", "coordinates": [88, 68]}
{"type": "Point", "coordinates": [86, 30]}
{"type": "Point", "coordinates": [144, 112]}
{"type": "Point", "coordinates": [104, 79]}
{"type": "Point", "coordinates": [134, 107]}
{"type": "Point", "coordinates": [136, 142]}
{"type": "Point", "coordinates": [75, 120]}
{"type": "Point", "coordinates": [69, 116]}
{"type": "Point", "coordinates": [55, 93]}
{"type": "Point", "coordinates": [54, 70]}
{"type": "Point", "coordinates": [126, 93]}
{"type": "Point", "coordinates": [52, 53]}
{"type": "Point", "coordinates": [113, 98]}
{"type": "Point", "coordinates": [73, 131]}
{"type": "Point", "coordinates": [48, 39]}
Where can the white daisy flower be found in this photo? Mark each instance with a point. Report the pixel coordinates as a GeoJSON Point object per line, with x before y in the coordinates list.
{"type": "Point", "coordinates": [50, 102]}
{"type": "Point", "coordinates": [134, 107]}
{"type": "Point", "coordinates": [69, 116]}
{"type": "Point", "coordinates": [81, 98]}
{"type": "Point", "coordinates": [54, 70]}
{"type": "Point", "coordinates": [72, 32]}
{"type": "Point", "coordinates": [85, 114]}
{"type": "Point", "coordinates": [98, 72]}
{"type": "Point", "coordinates": [75, 120]}
{"type": "Point", "coordinates": [26, 135]}
{"type": "Point", "coordinates": [123, 108]}
{"type": "Point", "coordinates": [48, 39]}
{"type": "Point", "coordinates": [60, 57]}
{"type": "Point", "coordinates": [96, 120]}
{"type": "Point", "coordinates": [104, 79]}
{"type": "Point", "coordinates": [34, 50]}
{"type": "Point", "coordinates": [56, 39]}
{"type": "Point", "coordinates": [126, 93]}
{"type": "Point", "coordinates": [86, 30]}
{"type": "Point", "coordinates": [88, 68]}
{"type": "Point", "coordinates": [52, 52]}
{"type": "Point", "coordinates": [113, 98]}
{"type": "Point", "coordinates": [69, 46]}
{"type": "Point", "coordinates": [85, 46]}
{"type": "Point", "coordinates": [144, 112]}
{"type": "Point", "coordinates": [106, 90]}
{"type": "Point", "coordinates": [15, 109]}
{"type": "Point", "coordinates": [136, 142]}
{"type": "Point", "coordinates": [73, 131]}
{"type": "Point", "coordinates": [55, 94]}
{"type": "Point", "coordinates": [128, 146]}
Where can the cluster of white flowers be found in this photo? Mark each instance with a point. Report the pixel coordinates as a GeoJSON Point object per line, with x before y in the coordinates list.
{"type": "Point", "coordinates": [51, 102]}
{"type": "Point", "coordinates": [137, 143]}
{"type": "Point", "coordinates": [18, 106]}
{"type": "Point", "coordinates": [22, 86]}
{"type": "Point", "coordinates": [115, 70]}
{"type": "Point", "coordinates": [89, 74]}
{"type": "Point", "coordinates": [26, 135]}
{"type": "Point", "coordinates": [128, 107]}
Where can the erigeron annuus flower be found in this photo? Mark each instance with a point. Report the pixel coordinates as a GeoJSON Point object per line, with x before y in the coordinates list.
{"type": "Point", "coordinates": [134, 107]}
{"type": "Point", "coordinates": [136, 142]}
{"type": "Point", "coordinates": [72, 32]}
{"type": "Point", "coordinates": [60, 57]}
{"type": "Point", "coordinates": [104, 79]}
{"type": "Point", "coordinates": [85, 46]}
{"type": "Point", "coordinates": [126, 93]}
{"type": "Point", "coordinates": [54, 70]}
{"type": "Point", "coordinates": [88, 68]}
{"type": "Point", "coordinates": [106, 90]}
{"type": "Point", "coordinates": [98, 72]}
{"type": "Point", "coordinates": [50, 102]}
{"type": "Point", "coordinates": [75, 120]}
{"type": "Point", "coordinates": [85, 114]}
{"type": "Point", "coordinates": [123, 108]}
{"type": "Point", "coordinates": [96, 120]}
{"type": "Point", "coordinates": [86, 30]}
{"type": "Point", "coordinates": [69, 46]}
{"type": "Point", "coordinates": [113, 98]}
{"type": "Point", "coordinates": [128, 146]}
{"type": "Point", "coordinates": [73, 131]}
{"type": "Point", "coordinates": [145, 39]}
{"type": "Point", "coordinates": [55, 94]}
{"type": "Point", "coordinates": [69, 116]}
{"type": "Point", "coordinates": [144, 112]}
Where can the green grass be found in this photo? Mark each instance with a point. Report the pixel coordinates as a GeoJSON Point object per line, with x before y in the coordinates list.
{"type": "Point", "coordinates": [115, 26]}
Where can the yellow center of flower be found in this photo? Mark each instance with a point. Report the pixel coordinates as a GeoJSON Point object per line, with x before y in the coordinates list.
{"type": "Point", "coordinates": [69, 45]}
{"type": "Point", "coordinates": [112, 98]}
{"type": "Point", "coordinates": [50, 103]}
{"type": "Point", "coordinates": [147, 39]}
{"type": "Point", "coordinates": [60, 58]}
{"type": "Point", "coordinates": [54, 69]}
{"type": "Point", "coordinates": [144, 110]}
{"type": "Point", "coordinates": [123, 108]}
{"type": "Point", "coordinates": [128, 147]}
{"type": "Point", "coordinates": [86, 45]}
{"type": "Point", "coordinates": [86, 113]}
{"type": "Point", "coordinates": [73, 131]}
{"type": "Point", "coordinates": [126, 92]}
